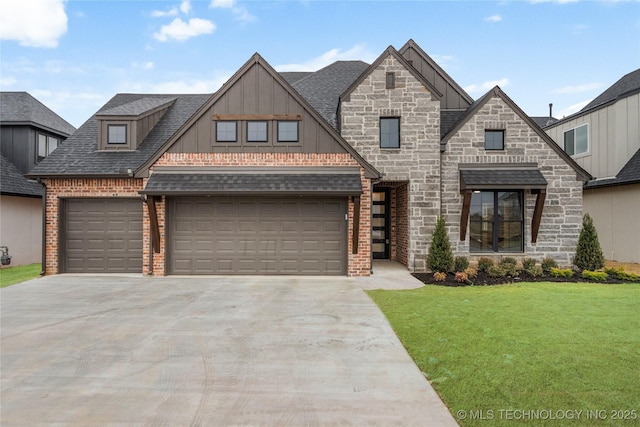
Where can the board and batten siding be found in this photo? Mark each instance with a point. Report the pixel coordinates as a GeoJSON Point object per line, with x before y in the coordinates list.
{"type": "Point", "coordinates": [614, 136]}
{"type": "Point", "coordinates": [257, 93]}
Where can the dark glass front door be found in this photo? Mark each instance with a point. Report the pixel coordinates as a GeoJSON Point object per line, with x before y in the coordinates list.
{"type": "Point", "coordinates": [380, 239]}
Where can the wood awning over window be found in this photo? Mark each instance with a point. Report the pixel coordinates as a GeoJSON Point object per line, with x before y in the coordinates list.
{"type": "Point", "coordinates": [497, 177]}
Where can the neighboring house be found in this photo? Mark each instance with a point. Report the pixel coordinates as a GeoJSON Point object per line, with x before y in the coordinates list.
{"type": "Point", "coordinates": [29, 132]}
{"type": "Point", "coordinates": [604, 138]}
{"type": "Point", "coordinates": [308, 173]}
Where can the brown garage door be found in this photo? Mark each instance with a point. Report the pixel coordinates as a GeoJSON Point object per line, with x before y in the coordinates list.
{"type": "Point", "coordinates": [259, 235]}
{"type": "Point", "coordinates": [102, 236]}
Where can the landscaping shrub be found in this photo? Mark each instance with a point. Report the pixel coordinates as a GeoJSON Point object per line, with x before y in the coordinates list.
{"type": "Point", "coordinates": [460, 263]}
{"type": "Point", "coordinates": [509, 260]}
{"type": "Point", "coordinates": [534, 271]}
{"type": "Point", "coordinates": [528, 263]}
{"type": "Point", "coordinates": [588, 252]}
{"type": "Point", "coordinates": [619, 273]}
{"type": "Point", "coordinates": [471, 272]}
{"type": "Point", "coordinates": [439, 276]}
{"type": "Point", "coordinates": [548, 264]}
{"type": "Point", "coordinates": [508, 266]}
{"type": "Point", "coordinates": [561, 272]}
{"type": "Point", "coordinates": [462, 277]}
{"type": "Point", "coordinates": [440, 257]}
{"type": "Point", "coordinates": [600, 276]}
{"type": "Point", "coordinates": [484, 264]}
{"type": "Point", "coordinates": [496, 271]}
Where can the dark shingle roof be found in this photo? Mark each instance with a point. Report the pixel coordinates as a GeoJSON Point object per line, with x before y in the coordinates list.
{"type": "Point", "coordinates": [208, 183]}
{"type": "Point", "coordinates": [448, 119]}
{"type": "Point", "coordinates": [137, 107]}
{"type": "Point", "coordinates": [12, 182]}
{"type": "Point", "coordinates": [543, 121]}
{"type": "Point", "coordinates": [293, 76]}
{"type": "Point", "coordinates": [492, 177]}
{"type": "Point", "coordinates": [22, 108]}
{"type": "Point", "coordinates": [323, 88]}
{"type": "Point", "coordinates": [79, 155]}
{"type": "Point", "coordinates": [626, 86]}
{"type": "Point", "coordinates": [629, 174]}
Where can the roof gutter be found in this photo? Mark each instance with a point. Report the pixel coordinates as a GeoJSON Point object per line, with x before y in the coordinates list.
{"type": "Point", "coordinates": [43, 266]}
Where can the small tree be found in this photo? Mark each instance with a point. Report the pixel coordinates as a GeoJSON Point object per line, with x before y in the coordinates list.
{"type": "Point", "coordinates": [588, 252]}
{"type": "Point", "coordinates": [440, 257]}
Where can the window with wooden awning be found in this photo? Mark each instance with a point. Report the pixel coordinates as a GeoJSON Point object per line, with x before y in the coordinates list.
{"type": "Point", "coordinates": [493, 198]}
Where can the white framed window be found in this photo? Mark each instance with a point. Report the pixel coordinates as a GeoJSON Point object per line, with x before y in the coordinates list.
{"type": "Point", "coordinates": [257, 131]}
{"type": "Point", "coordinates": [117, 134]}
{"type": "Point", "coordinates": [226, 131]}
{"type": "Point", "coordinates": [390, 132]}
{"type": "Point", "coordinates": [287, 131]}
{"type": "Point", "coordinates": [576, 140]}
{"type": "Point", "coordinates": [46, 145]}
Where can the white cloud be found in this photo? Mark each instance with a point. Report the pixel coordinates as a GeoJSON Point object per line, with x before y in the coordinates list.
{"type": "Point", "coordinates": [579, 88]}
{"type": "Point", "coordinates": [189, 86]}
{"type": "Point", "coordinates": [486, 86]}
{"type": "Point", "coordinates": [185, 6]}
{"type": "Point", "coordinates": [329, 57]}
{"type": "Point", "coordinates": [572, 109]}
{"type": "Point", "coordinates": [493, 18]}
{"type": "Point", "coordinates": [240, 12]}
{"type": "Point", "coordinates": [7, 81]}
{"type": "Point", "coordinates": [162, 13]}
{"type": "Point", "coordinates": [33, 23]}
{"type": "Point", "coordinates": [143, 65]}
{"type": "Point", "coordinates": [181, 30]}
{"type": "Point", "coordinates": [553, 1]}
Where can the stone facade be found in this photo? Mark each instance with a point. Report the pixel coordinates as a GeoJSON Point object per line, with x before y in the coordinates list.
{"type": "Point", "coordinates": [562, 214]}
{"type": "Point", "coordinates": [416, 162]}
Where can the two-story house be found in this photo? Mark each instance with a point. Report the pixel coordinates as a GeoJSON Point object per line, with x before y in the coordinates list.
{"type": "Point", "coordinates": [29, 132]}
{"type": "Point", "coordinates": [604, 139]}
{"type": "Point", "coordinates": [308, 173]}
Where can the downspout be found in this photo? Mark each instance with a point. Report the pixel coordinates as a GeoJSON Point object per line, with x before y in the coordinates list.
{"type": "Point", "coordinates": [44, 229]}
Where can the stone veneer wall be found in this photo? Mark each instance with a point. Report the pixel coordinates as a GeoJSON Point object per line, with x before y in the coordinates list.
{"type": "Point", "coordinates": [562, 214]}
{"type": "Point", "coordinates": [358, 264]}
{"type": "Point", "coordinates": [418, 158]}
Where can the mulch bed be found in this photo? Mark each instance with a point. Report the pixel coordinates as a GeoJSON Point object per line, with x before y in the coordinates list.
{"type": "Point", "coordinates": [483, 279]}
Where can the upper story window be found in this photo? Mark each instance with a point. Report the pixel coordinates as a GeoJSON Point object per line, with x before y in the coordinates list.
{"type": "Point", "coordinates": [390, 132]}
{"type": "Point", "coordinates": [496, 221]}
{"type": "Point", "coordinates": [117, 134]}
{"type": "Point", "coordinates": [287, 131]}
{"type": "Point", "coordinates": [494, 140]}
{"type": "Point", "coordinates": [257, 131]}
{"type": "Point", "coordinates": [46, 145]}
{"type": "Point", "coordinates": [226, 131]}
{"type": "Point", "coordinates": [576, 140]}
{"type": "Point", "coordinates": [391, 80]}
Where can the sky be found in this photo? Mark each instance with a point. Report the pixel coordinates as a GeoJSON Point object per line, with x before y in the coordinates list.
{"type": "Point", "coordinates": [75, 55]}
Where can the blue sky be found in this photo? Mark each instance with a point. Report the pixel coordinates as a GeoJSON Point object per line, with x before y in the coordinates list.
{"type": "Point", "coordinates": [75, 55]}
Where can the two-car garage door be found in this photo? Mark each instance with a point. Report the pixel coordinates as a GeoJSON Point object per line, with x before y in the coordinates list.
{"type": "Point", "coordinates": [257, 235]}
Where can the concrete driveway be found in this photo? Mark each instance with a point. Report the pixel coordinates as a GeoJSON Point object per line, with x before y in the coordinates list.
{"type": "Point", "coordinates": [97, 350]}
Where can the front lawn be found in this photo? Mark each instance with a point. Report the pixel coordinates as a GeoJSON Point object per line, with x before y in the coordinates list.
{"type": "Point", "coordinates": [12, 275]}
{"type": "Point", "coordinates": [531, 353]}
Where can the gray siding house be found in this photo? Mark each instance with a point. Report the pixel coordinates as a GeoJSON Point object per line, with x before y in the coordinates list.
{"type": "Point", "coordinates": [604, 138]}
{"type": "Point", "coordinates": [29, 132]}
{"type": "Point", "coordinates": [308, 173]}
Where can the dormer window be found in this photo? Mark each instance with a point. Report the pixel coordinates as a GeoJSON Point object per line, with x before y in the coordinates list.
{"type": "Point", "coordinates": [117, 134]}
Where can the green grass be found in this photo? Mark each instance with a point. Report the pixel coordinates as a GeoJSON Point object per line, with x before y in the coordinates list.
{"type": "Point", "coordinates": [12, 275]}
{"type": "Point", "coordinates": [525, 347]}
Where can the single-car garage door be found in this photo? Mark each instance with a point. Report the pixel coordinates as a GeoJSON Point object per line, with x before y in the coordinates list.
{"type": "Point", "coordinates": [102, 236]}
{"type": "Point", "coordinates": [257, 235]}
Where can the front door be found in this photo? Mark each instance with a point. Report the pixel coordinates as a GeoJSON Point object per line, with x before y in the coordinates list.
{"type": "Point", "coordinates": [380, 238]}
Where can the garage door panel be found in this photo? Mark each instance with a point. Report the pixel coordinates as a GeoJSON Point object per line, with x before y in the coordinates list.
{"type": "Point", "coordinates": [102, 236]}
{"type": "Point", "coordinates": [272, 235]}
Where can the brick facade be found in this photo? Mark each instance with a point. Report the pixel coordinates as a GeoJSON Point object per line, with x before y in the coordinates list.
{"type": "Point", "coordinates": [416, 162]}
{"type": "Point", "coordinates": [58, 189]}
{"type": "Point", "coordinates": [358, 264]}
{"type": "Point", "coordinates": [562, 214]}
